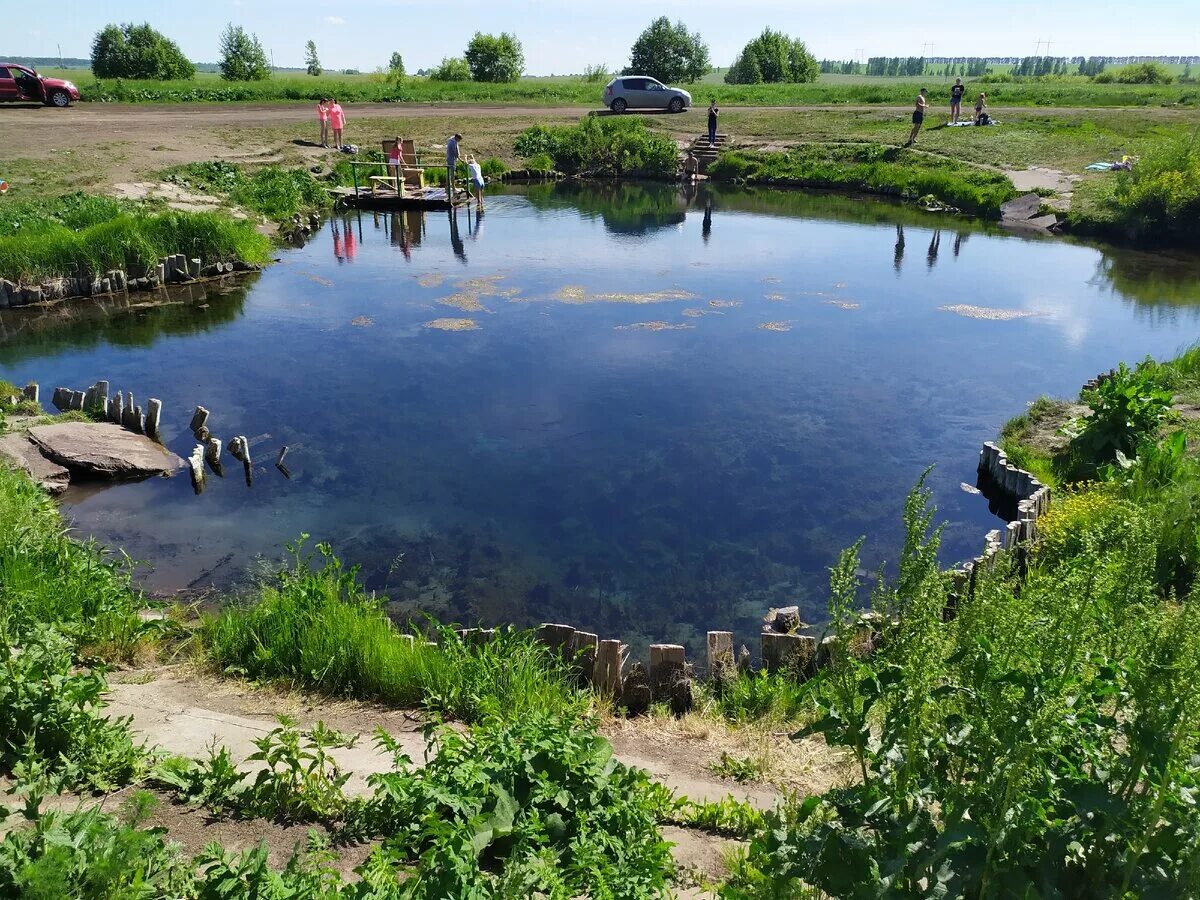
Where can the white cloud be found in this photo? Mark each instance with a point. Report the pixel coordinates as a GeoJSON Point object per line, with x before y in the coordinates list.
{"type": "Point", "coordinates": [335, 20]}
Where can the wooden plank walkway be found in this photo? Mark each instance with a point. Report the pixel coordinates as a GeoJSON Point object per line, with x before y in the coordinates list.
{"type": "Point", "coordinates": [418, 198]}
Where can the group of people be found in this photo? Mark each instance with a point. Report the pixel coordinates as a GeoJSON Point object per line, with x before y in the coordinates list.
{"type": "Point", "coordinates": [956, 96]}
{"type": "Point", "coordinates": [331, 117]}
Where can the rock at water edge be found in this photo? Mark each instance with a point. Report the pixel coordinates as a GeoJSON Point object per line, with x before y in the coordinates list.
{"type": "Point", "coordinates": [104, 450]}
{"type": "Point", "coordinates": [24, 455]}
{"type": "Point", "coordinates": [153, 417]}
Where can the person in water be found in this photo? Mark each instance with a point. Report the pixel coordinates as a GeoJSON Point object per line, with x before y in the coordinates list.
{"type": "Point", "coordinates": [956, 95]}
{"type": "Point", "coordinates": [918, 117]}
{"type": "Point", "coordinates": [691, 167]}
{"type": "Point", "coordinates": [477, 182]}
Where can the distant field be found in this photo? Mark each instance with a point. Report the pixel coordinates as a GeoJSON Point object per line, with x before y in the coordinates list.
{"type": "Point", "coordinates": [574, 91]}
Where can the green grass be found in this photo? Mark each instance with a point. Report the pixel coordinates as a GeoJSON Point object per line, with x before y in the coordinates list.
{"type": "Point", "coordinates": [272, 191]}
{"type": "Point", "coordinates": [47, 578]}
{"type": "Point", "coordinates": [874, 169]}
{"type": "Point", "coordinates": [315, 626]}
{"type": "Point", "coordinates": [576, 91]}
{"type": "Point", "coordinates": [83, 235]}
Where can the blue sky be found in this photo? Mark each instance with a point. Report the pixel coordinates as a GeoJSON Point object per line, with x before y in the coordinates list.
{"type": "Point", "coordinates": [563, 37]}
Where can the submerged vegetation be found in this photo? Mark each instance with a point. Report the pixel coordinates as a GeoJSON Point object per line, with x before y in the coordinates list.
{"type": "Point", "coordinates": [875, 169]}
{"type": "Point", "coordinates": [80, 234]}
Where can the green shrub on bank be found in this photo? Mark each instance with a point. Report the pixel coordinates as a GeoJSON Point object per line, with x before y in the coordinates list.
{"type": "Point", "coordinates": [46, 578]}
{"type": "Point", "coordinates": [1160, 198]}
{"type": "Point", "coordinates": [271, 191]}
{"type": "Point", "coordinates": [876, 169]}
{"type": "Point", "coordinates": [598, 145]}
{"type": "Point", "coordinates": [51, 731]}
{"type": "Point", "coordinates": [315, 626]}
{"type": "Point", "coordinates": [1042, 743]}
{"type": "Point", "coordinates": [82, 235]}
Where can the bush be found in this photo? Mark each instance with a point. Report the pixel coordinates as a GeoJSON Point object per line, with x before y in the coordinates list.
{"type": "Point", "coordinates": [451, 69]}
{"type": "Point", "coordinates": [535, 806]}
{"type": "Point", "coordinates": [495, 58]}
{"type": "Point", "coordinates": [773, 57]}
{"type": "Point", "coordinates": [51, 731]}
{"type": "Point", "coordinates": [669, 53]}
{"type": "Point", "coordinates": [875, 168]}
{"type": "Point", "coordinates": [138, 51]}
{"type": "Point", "coordinates": [1127, 408]}
{"type": "Point", "coordinates": [1160, 198]}
{"type": "Point", "coordinates": [601, 146]}
{"type": "Point", "coordinates": [595, 74]}
{"type": "Point", "coordinates": [1143, 73]}
{"type": "Point", "coordinates": [540, 162]}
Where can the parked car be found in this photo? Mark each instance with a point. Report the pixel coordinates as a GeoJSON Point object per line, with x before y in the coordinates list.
{"type": "Point", "coordinates": [644, 92]}
{"type": "Point", "coordinates": [25, 85]}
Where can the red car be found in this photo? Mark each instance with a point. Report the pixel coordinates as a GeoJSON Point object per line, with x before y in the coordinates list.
{"type": "Point", "coordinates": [25, 85]}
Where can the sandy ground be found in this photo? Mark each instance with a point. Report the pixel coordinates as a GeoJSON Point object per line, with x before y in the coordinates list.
{"type": "Point", "coordinates": [180, 711]}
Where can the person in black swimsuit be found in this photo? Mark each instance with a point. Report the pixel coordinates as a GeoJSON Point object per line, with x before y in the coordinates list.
{"type": "Point", "coordinates": [956, 95]}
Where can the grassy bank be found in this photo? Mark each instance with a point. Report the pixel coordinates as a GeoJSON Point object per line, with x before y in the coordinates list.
{"type": "Point", "coordinates": [874, 169]}
{"type": "Point", "coordinates": [575, 91]}
{"type": "Point", "coordinates": [78, 234]}
{"type": "Point", "coordinates": [275, 192]}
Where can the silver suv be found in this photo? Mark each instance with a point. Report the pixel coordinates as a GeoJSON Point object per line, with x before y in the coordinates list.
{"type": "Point", "coordinates": [644, 92]}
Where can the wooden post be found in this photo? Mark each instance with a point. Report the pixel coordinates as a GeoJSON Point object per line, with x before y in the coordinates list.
{"type": "Point", "coordinates": [583, 653]}
{"type": "Point", "coordinates": [556, 637]}
{"type": "Point", "coordinates": [788, 652]}
{"type": "Point", "coordinates": [666, 667]}
{"type": "Point", "coordinates": [609, 662]}
{"type": "Point", "coordinates": [720, 654]}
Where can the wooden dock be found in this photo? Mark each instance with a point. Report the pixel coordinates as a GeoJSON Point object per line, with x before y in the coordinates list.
{"type": "Point", "coordinates": [417, 198]}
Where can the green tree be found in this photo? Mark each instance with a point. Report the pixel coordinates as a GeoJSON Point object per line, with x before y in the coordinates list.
{"type": "Point", "coordinates": [311, 63]}
{"type": "Point", "coordinates": [453, 68]}
{"type": "Point", "coordinates": [396, 65]}
{"type": "Point", "coordinates": [773, 57]}
{"type": "Point", "coordinates": [669, 53]}
{"type": "Point", "coordinates": [138, 51]}
{"type": "Point", "coordinates": [242, 56]}
{"type": "Point", "coordinates": [495, 58]}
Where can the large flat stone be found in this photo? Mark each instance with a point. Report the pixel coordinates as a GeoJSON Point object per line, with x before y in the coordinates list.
{"type": "Point", "coordinates": [1021, 208]}
{"type": "Point", "coordinates": [104, 450]}
{"type": "Point", "coordinates": [23, 454]}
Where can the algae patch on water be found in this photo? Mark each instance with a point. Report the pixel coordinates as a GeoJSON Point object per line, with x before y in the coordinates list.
{"type": "Point", "coordinates": [453, 325]}
{"type": "Point", "coordinates": [465, 301]}
{"type": "Point", "coordinates": [431, 279]}
{"type": "Point", "coordinates": [775, 298]}
{"type": "Point", "coordinates": [842, 304]}
{"type": "Point", "coordinates": [325, 282]}
{"type": "Point", "coordinates": [655, 326]}
{"type": "Point", "coordinates": [776, 326]}
{"type": "Point", "coordinates": [472, 289]}
{"type": "Point", "coordinates": [694, 313]}
{"type": "Point", "coordinates": [573, 293]}
{"type": "Point", "coordinates": [990, 313]}
{"type": "Point", "coordinates": [724, 304]}
{"type": "Point", "coordinates": [362, 321]}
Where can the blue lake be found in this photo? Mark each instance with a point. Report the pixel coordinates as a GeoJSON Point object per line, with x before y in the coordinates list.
{"type": "Point", "coordinates": [668, 413]}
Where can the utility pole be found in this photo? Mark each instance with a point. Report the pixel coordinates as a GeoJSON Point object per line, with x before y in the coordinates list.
{"type": "Point", "coordinates": [60, 59]}
{"type": "Point", "coordinates": [272, 61]}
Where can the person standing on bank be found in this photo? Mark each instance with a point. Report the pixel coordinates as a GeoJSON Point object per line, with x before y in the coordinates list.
{"type": "Point", "coordinates": [337, 121]}
{"type": "Point", "coordinates": [918, 117]}
{"type": "Point", "coordinates": [451, 164]}
{"type": "Point", "coordinates": [956, 95]}
{"type": "Point", "coordinates": [713, 112]}
{"type": "Point", "coordinates": [323, 119]}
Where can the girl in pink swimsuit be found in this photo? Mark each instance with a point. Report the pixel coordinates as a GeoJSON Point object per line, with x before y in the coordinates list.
{"type": "Point", "coordinates": [337, 121]}
{"type": "Point", "coordinates": [323, 118]}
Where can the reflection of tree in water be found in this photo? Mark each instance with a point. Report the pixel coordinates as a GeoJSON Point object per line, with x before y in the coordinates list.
{"type": "Point", "coordinates": [624, 208]}
{"type": "Point", "coordinates": [898, 252]}
{"type": "Point", "coordinates": [960, 238]}
{"type": "Point", "coordinates": [1155, 280]}
{"type": "Point", "coordinates": [122, 320]}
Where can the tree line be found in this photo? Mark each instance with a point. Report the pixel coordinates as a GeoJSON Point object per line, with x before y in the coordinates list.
{"type": "Point", "coordinates": [665, 50]}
